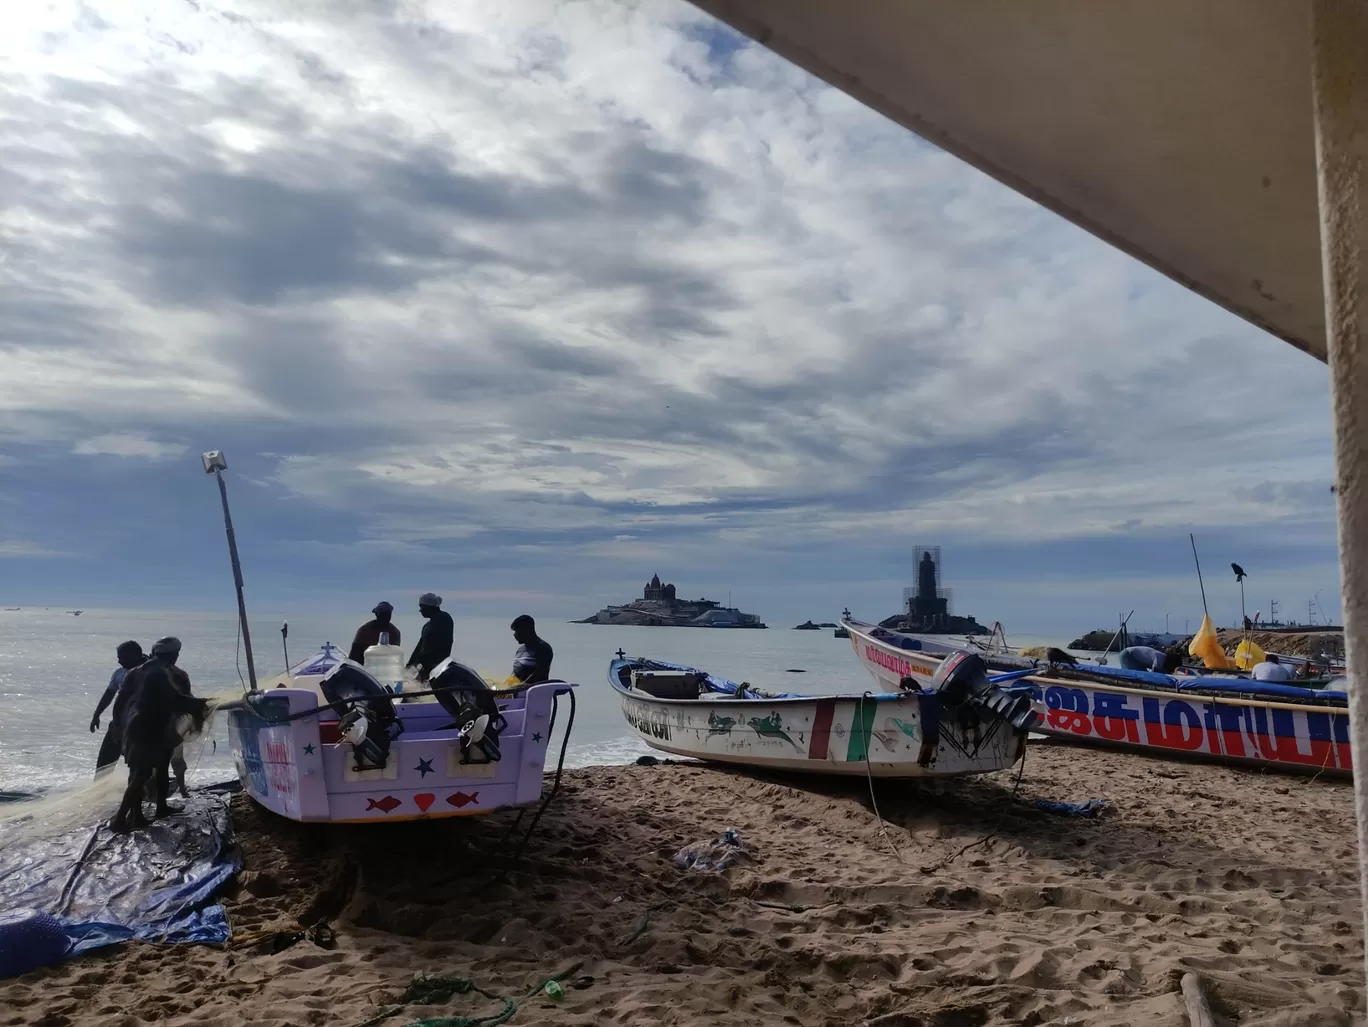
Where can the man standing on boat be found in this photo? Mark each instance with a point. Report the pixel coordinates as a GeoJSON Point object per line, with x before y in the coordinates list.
{"type": "Point", "coordinates": [130, 655]}
{"type": "Point", "coordinates": [368, 634]}
{"type": "Point", "coordinates": [532, 661]}
{"type": "Point", "coordinates": [434, 644]}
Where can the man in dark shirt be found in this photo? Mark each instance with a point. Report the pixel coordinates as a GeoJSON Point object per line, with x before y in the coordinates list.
{"type": "Point", "coordinates": [151, 700]}
{"type": "Point", "coordinates": [368, 634]}
{"type": "Point", "coordinates": [532, 662]}
{"type": "Point", "coordinates": [130, 655]}
{"type": "Point", "coordinates": [434, 644]}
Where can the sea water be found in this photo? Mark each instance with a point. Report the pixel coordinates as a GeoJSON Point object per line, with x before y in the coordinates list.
{"type": "Point", "coordinates": [55, 666]}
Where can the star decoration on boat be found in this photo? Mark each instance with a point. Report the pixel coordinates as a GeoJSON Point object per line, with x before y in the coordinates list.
{"type": "Point", "coordinates": [536, 736]}
{"type": "Point", "coordinates": [424, 768]}
{"type": "Point", "coordinates": [309, 749]}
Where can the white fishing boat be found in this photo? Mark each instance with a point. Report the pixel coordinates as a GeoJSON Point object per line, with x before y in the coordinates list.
{"type": "Point", "coordinates": [962, 723]}
{"type": "Point", "coordinates": [327, 741]}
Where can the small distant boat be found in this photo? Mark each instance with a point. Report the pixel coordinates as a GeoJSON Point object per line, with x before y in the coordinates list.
{"type": "Point", "coordinates": [75, 613]}
{"type": "Point", "coordinates": [840, 633]}
{"type": "Point", "coordinates": [963, 724]}
{"type": "Point", "coordinates": [326, 742]}
{"type": "Point", "coordinates": [1212, 717]}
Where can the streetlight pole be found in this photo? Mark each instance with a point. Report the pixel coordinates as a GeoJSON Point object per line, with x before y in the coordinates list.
{"type": "Point", "coordinates": [215, 464]}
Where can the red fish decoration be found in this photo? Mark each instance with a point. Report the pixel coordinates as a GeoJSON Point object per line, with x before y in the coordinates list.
{"type": "Point", "coordinates": [461, 799]}
{"type": "Point", "coordinates": [423, 800]}
{"type": "Point", "coordinates": [386, 805]}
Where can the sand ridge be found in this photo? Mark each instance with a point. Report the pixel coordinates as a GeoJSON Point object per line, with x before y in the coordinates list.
{"type": "Point", "coordinates": [1247, 878]}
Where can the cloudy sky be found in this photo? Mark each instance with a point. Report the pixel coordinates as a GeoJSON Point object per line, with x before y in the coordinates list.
{"type": "Point", "coordinates": [522, 302]}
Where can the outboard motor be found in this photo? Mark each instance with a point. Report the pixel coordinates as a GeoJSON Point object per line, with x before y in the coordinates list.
{"type": "Point", "coordinates": [367, 720]}
{"type": "Point", "coordinates": [962, 680]}
{"type": "Point", "coordinates": [470, 701]}
{"type": "Point", "coordinates": [961, 692]}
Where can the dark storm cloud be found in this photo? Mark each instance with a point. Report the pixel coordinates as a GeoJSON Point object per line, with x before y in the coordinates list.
{"type": "Point", "coordinates": [491, 291]}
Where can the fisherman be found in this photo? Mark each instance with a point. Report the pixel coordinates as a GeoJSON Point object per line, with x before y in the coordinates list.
{"type": "Point", "coordinates": [130, 655]}
{"type": "Point", "coordinates": [368, 634]}
{"type": "Point", "coordinates": [532, 661]}
{"type": "Point", "coordinates": [153, 699]}
{"type": "Point", "coordinates": [1272, 669]}
{"type": "Point", "coordinates": [434, 644]}
{"type": "Point", "coordinates": [165, 652]}
{"type": "Point", "coordinates": [1143, 657]}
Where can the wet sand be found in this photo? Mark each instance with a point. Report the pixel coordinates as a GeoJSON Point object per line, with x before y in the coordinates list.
{"type": "Point", "coordinates": [1246, 878]}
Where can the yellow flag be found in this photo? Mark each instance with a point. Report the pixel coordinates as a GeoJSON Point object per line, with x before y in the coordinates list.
{"type": "Point", "coordinates": [1206, 646]}
{"type": "Point", "coordinates": [1247, 654]}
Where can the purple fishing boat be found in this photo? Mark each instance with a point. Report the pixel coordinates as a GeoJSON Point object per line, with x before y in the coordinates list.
{"type": "Point", "coordinates": [313, 746]}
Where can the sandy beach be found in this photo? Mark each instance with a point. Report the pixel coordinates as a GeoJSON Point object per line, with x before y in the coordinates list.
{"type": "Point", "coordinates": [842, 918]}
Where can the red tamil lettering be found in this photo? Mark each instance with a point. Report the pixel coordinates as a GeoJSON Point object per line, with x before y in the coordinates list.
{"type": "Point", "coordinates": [1113, 719]}
{"type": "Point", "coordinates": [1068, 710]}
{"type": "Point", "coordinates": [1225, 728]}
{"type": "Point", "coordinates": [1179, 727]}
{"type": "Point", "coordinates": [1283, 743]}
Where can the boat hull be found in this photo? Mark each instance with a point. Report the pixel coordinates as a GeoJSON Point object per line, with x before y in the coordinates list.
{"type": "Point", "coordinates": [880, 736]}
{"type": "Point", "coordinates": [300, 768]}
{"type": "Point", "coordinates": [1167, 722]}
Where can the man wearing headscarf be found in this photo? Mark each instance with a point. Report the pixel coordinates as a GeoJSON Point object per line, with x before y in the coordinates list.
{"type": "Point", "coordinates": [368, 634]}
{"type": "Point", "coordinates": [434, 645]}
{"type": "Point", "coordinates": [130, 655]}
{"type": "Point", "coordinates": [153, 698]}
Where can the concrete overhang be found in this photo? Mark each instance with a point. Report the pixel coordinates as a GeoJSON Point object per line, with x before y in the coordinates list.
{"type": "Point", "coordinates": [1179, 131]}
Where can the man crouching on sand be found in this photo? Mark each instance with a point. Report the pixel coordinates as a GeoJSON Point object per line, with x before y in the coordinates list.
{"type": "Point", "coordinates": [153, 698]}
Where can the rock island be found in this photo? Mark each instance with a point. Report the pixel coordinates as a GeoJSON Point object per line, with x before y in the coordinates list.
{"type": "Point", "coordinates": [659, 606]}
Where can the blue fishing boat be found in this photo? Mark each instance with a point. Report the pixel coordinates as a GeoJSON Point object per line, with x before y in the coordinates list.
{"type": "Point", "coordinates": [1204, 716]}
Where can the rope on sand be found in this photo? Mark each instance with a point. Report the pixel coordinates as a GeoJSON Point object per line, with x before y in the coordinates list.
{"type": "Point", "coordinates": [1006, 806]}
{"type": "Point", "coordinates": [643, 925]}
{"type": "Point", "coordinates": [428, 991]}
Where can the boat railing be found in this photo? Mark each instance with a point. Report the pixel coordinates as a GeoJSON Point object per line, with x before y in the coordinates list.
{"type": "Point", "coordinates": [253, 700]}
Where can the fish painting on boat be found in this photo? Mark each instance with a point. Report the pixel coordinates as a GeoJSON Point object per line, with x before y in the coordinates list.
{"type": "Point", "coordinates": [1211, 717]}
{"type": "Point", "coordinates": [688, 712]}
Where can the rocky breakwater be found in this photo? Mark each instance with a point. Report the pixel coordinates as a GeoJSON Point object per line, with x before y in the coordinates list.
{"type": "Point", "coordinates": [1309, 644]}
{"type": "Point", "coordinates": [1105, 640]}
{"type": "Point", "coordinates": [660, 606]}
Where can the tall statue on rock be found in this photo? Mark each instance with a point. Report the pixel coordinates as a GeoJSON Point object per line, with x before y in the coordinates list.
{"type": "Point", "coordinates": [926, 577]}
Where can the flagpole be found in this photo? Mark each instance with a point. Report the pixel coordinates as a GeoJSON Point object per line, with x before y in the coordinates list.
{"type": "Point", "coordinates": [1199, 573]}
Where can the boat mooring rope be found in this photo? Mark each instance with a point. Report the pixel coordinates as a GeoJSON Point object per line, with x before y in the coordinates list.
{"type": "Point", "coordinates": [1011, 799]}
{"type": "Point", "coordinates": [869, 775]}
{"type": "Point", "coordinates": [428, 991]}
{"type": "Point", "coordinates": [556, 783]}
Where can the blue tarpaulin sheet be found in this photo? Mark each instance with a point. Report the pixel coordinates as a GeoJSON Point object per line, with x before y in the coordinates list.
{"type": "Point", "coordinates": [152, 885]}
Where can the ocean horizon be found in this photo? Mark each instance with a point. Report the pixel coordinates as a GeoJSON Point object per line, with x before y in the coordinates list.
{"type": "Point", "coordinates": [54, 666]}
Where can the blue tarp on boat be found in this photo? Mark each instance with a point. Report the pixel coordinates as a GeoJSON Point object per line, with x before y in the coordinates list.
{"type": "Point", "coordinates": [102, 888]}
{"type": "Point", "coordinates": [1262, 689]}
{"type": "Point", "coordinates": [1124, 676]}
